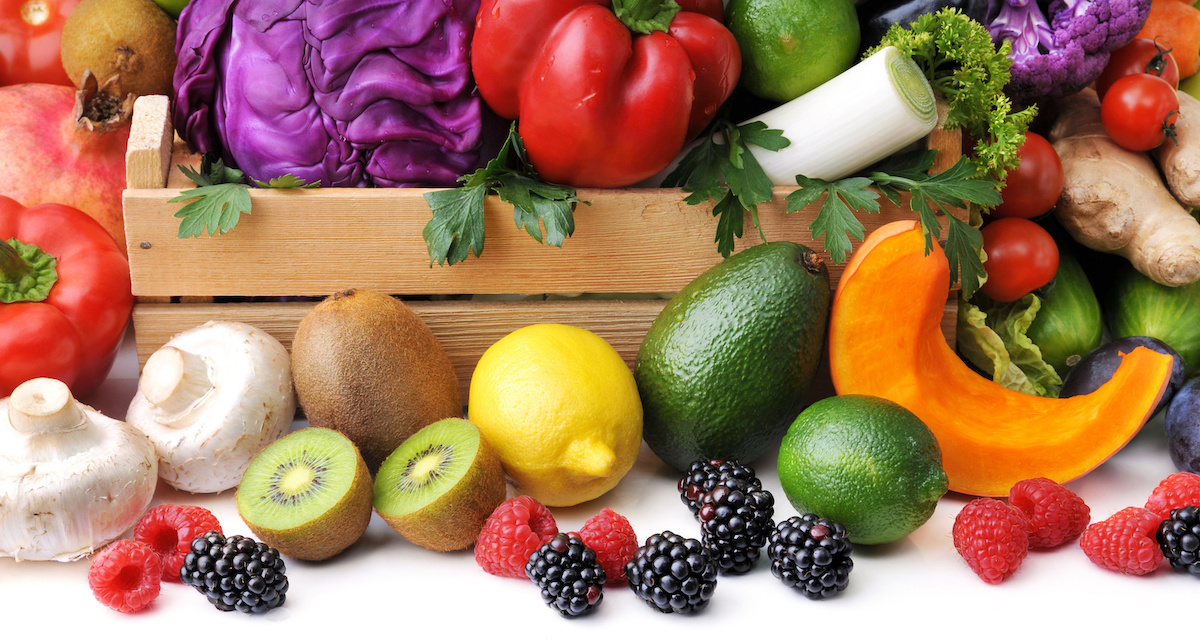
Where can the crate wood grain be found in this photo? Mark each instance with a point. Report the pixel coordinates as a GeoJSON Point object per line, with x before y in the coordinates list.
{"type": "Point", "coordinates": [629, 245]}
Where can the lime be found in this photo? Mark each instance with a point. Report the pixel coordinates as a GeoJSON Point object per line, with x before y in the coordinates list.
{"type": "Point", "coordinates": [790, 47]}
{"type": "Point", "coordinates": [866, 462]}
{"type": "Point", "coordinates": [561, 409]}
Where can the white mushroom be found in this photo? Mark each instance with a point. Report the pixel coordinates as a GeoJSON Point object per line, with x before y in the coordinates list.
{"type": "Point", "coordinates": [212, 398]}
{"type": "Point", "coordinates": [71, 478]}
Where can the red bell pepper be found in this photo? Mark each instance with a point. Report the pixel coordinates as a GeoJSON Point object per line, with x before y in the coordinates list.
{"type": "Point", "coordinates": [31, 39]}
{"type": "Point", "coordinates": [65, 297]}
{"type": "Point", "coordinates": [604, 95]}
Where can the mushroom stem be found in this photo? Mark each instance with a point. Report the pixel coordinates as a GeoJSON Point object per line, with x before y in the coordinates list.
{"type": "Point", "coordinates": [55, 426]}
{"type": "Point", "coordinates": [175, 382]}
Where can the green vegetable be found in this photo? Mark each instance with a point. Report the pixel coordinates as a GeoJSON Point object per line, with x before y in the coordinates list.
{"type": "Point", "coordinates": [721, 169]}
{"type": "Point", "coordinates": [965, 67]}
{"type": "Point", "coordinates": [221, 197]}
{"type": "Point", "coordinates": [456, 228]}
{"type": "Point", "coordinates": [955, 187]}
{"type": "Point", "coordinates": [993, 336]}
{"type": "Point", "coordinates": [1069, 325]}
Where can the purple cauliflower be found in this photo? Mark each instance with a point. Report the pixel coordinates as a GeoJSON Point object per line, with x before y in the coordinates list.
{"type": "Point", "coordinates": [1061, 46]}
{"type": "Point", "coordinates": [352, 93]}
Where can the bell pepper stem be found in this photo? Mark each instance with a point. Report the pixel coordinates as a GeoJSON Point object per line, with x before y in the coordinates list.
{"type": "Point", "coordinates": [12, 266]}
{"type": "Point", "coordinates": [646, 16]}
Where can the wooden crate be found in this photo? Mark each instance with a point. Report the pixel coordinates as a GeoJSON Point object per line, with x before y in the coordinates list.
{"type": "Point", "coordinates": [629, 244]}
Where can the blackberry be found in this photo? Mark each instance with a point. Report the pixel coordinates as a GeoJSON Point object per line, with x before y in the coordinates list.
{"type": "Point", "coordinates": [735, 520]}
{"type": "Point", "coordinates": [235, 573]}
{"type": "Point", "coordinates": [672, 574]}
{"type": "Point", "coordinates": [703, 475]}
{"type": "Point", "coordinates": [811, 554]}
{"type": "Point", "coordinates": [1179, 538]}
{"type": "Point", "coordinates": [568, 573]}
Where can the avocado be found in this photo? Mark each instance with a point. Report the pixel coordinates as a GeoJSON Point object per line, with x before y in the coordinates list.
{"type": "Point", "coordinates": [728, 363]}
{"type": "Point", "coordinates": [366, 365]}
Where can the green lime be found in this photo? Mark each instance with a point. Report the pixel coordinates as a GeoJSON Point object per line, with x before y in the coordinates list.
{"type": "Point", "coordinates": [789, 47]}
{"type": "Point", "coordinates": [865, 462]}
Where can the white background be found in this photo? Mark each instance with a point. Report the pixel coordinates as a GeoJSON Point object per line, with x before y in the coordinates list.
{"type": "Point", "coordinates": [383, 584]}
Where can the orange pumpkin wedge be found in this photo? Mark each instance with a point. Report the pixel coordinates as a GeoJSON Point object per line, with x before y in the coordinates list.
{"type": "Point", "coordinates": [885, 340]}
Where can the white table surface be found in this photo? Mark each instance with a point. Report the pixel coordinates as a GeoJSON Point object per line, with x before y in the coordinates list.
{"type": "Point", "coordinates": [383, 584]}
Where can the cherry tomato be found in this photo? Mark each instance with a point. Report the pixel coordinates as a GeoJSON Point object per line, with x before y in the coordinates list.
{"type": "Point", "coordinates": [31, 40]}
{"type": "Point", "coordinates": [1033, 187]}
{"type": "Point", "coordinates": [1021, 257]}
{"type": "Point", "coordinates": [1141, 55]}
{"type": "Point", "coordinates": [1139, 111]}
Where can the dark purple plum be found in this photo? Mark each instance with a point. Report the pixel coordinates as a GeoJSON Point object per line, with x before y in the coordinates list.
{"type": "Point", "coordinates": [1182, 427]}
{"type": "Point", "coordinates": [1098, 367]}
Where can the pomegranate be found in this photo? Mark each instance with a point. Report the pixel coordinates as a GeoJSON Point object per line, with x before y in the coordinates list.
{"type": "Point", "coordinates": [48, 159]}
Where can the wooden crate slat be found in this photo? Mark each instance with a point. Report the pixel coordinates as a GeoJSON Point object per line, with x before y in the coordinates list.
{"type": "Point", "coordinates": [465, 328]}
{"type": "Point", "coordinates": [315, 242]}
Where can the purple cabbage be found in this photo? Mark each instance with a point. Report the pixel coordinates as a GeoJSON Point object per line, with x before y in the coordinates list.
{"type": "Point", "coordinates": [352, 93]}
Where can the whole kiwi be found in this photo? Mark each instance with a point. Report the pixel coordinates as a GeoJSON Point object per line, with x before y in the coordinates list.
{"type": "Point", "coordinates": [132, 41]}
{"type": "Point", "coordinates": [366, 365]}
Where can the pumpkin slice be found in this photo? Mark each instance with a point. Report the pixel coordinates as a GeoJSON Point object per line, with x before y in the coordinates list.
{"type": "Point", "coordinates": [885, 340]}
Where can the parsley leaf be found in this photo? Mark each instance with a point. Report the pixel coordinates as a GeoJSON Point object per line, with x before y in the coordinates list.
{"type": "Point", "coordinates": [956, 187]}
{"type": "Point", "coordinates": [221, 197]}
{"type": "Point", "coordinates": [719, 169]}
{"type": "Point", "coordinates": [456, 228]}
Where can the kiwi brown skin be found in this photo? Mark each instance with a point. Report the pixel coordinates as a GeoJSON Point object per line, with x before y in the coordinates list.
{"type": "Point", "coordinates": [454, 520]}
{"type": "Point", "coordinates": [366, 365]}
{"type": "Point", "coordinates": [330, 533]}
{"type": "Point", "coordinates": [133, 40]}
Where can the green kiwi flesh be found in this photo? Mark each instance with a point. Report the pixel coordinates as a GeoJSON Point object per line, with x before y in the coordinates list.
{"type": "Point", "coordinates": [307, 494]}
{"type": "Point", "coordinates": [440, 485]}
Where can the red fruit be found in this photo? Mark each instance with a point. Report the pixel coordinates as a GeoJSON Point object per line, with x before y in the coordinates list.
{"type": "Point", "coordinates": [610, 535]}
{"type": "Point", "coordinates": [47, 159]}
{"type": "Point", "coordinates": [991, 537]}
{"type": "Point", "coordinates": [1124, 542]}
{"type": "Point", "coordinates": [1176, 490]}
{"type": "Point", "coordinates": [126, 576]}
{"type": "Point", "coordinates": [511, 534]}
{"type": "Point", "coordinates": [169, 529]}
{"type": "Point", "coordinates": [1053, 512]}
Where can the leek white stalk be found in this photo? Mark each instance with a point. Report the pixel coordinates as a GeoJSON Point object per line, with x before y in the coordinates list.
{"type": "Point", "coordinates": [210, 400]}
{"type": "Point", "coordinates": [864, 114]}
{"type": "Point", "coordinates": [71, 479]}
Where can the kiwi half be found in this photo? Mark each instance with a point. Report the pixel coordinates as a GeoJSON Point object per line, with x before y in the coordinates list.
{"type": "Point", "coordinates": [307, 494]}
{"type": "Point", "coordinates": [440, 485]}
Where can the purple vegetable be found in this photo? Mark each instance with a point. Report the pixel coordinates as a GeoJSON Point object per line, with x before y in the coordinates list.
{"type": "Point", "coordinates": [352, 93]}
{"type": "Point", "coordinates": [1060, 47]}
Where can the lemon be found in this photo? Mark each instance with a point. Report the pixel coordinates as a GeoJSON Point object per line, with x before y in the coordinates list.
{"type": "Point", "coordinates": [866, 462]}
{"type": "Point", "coordinates": [561, 409]}
{"type": "Point", "coordinates": [790, 47]}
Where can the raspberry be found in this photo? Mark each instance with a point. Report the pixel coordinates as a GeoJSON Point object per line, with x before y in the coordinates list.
{"type": "Point", "coordinates": [1177, 490]}
{"type": "Point", "coordinates": [991, 537]}
{"type": "Point", "coordinates": [126, 576]}
{"type": "Point", "coordinates": [169, 530]}
{"type": "Point", "coordinates": [611, 536]}
{"type": "Point", "coordinates": [1054, 513]}
{"type": "Point", "coordinates": [511, 534]}
{"type": "Point", "coordinates": [1124, 542]}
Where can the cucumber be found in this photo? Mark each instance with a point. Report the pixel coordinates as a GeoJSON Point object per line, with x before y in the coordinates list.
{"type": "Point", "coordinates": [1069, 324]}
{"type": "Point", "coordinates": [1138, 306]}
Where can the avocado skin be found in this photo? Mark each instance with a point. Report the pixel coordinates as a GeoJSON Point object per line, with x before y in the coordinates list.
{"type": "Point", "coordinates": [728, 364]}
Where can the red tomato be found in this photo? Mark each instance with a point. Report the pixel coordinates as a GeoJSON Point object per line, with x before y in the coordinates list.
{"type": "Point", "coordinates": [1139, 111]}
{"type": "Point", "coordinates": [31, 40]}
{"type": "Point", "coordinates": [1021, 257]}
{"type": "Point", "coordinates": [1141, 55]}
{"type": "Point", "coordinates": [1033, 187]}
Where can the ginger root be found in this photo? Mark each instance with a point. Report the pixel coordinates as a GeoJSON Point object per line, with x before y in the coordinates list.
{"type": "Point", "coordinates": [1114, 200]}
{"type": "Point", "coordinates": [1180, 163]}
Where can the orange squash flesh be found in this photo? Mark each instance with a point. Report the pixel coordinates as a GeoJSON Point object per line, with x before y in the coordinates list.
{"type": "Point", "coordinates": [885, 340]}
